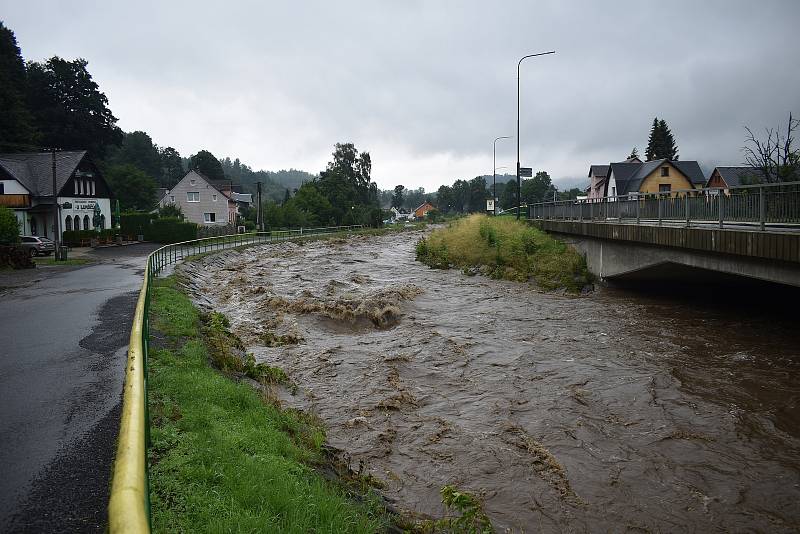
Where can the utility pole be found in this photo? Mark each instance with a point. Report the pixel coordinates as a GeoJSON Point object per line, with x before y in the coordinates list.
{"type": "Point", "coordinates": [56, 218]}
{"type": "Point", "coordinates": [259, 220]}
{"type": "Point", "coordinates": [519, 183]}
{"type": "Point", "coordinates": [494, 171]}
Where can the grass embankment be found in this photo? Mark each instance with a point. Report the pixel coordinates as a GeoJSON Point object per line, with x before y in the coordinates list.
{"type": "Point", "coordinates": [504, 248]}
{"type": "Point", "coordinates": [224, 456]}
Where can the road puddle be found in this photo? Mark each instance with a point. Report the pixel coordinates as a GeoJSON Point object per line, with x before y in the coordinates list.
{"type": "Point", "coordinates": [608, 412]}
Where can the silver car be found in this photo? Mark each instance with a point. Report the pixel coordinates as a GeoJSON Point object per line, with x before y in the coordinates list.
{"type": "Point", "coordinates": [38, 245]}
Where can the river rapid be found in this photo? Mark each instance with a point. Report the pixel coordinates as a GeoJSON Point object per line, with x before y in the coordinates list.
{"type": "Point", "coordinates": [610, 412]}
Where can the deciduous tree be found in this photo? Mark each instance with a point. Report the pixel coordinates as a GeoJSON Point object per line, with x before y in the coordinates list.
{"type": "Point", "coordinates": [134, 188]}
{"type": "Point", "coordinates": [206, 164]}
{"type": "Point", "coordinates": [16, 121]}
{"type": "Point", "coordinates": [774, 156]}
{"type": "Point", "coordinates": [70, 110]}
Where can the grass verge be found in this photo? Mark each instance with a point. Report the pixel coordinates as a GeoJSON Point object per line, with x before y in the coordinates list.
{"type": "Point", "coordinates": [52, 261]}
{"type": "Point", "coordinates": [224, 457]}
{"type": "Point", "coordinates": [502, 247]}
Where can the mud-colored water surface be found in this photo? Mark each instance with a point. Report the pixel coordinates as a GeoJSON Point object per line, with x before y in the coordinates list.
{"type": "Point", "coordinates": [608, 412]}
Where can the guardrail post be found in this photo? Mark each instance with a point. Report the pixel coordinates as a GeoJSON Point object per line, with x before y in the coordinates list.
{"type": "Point", "coordinates": [720, 205]}
{"type": "Point", "coordinates": [658, 201]}
{"type": "Point", "coordinates": [638, 209]}
{"type": "Point", "coordinates": [686, 201]}
{"type": "Point", "coordinates": [761, 209]}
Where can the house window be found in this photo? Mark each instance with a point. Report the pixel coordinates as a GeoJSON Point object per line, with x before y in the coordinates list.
{"type": "Point", "coordinates": [664, 171]}
{"type": "Point", "coordinates": [214, 198]}
{"type": "Point", "coordinates": [664, 188]}
{"type": "Point", "coordinates": [192, 181]}
{"type": "Point", "coordinates": [77, 223]}
{"type": "Point", "coordinates": [86, 223]}
{"type": "Point", "coordinates": [75, 184]}
{"type": "Point", "coordinates": [193, 196]}
{"type": "Point", "coordinates": [209, 217]}
{"type": "Point", "coordinates": [68, 223]}
{"type": "Point", "coordinates": [172, 198]}
{"type": "Point", "coordinates": [92, 187]}
{"type": "Point", "coordinates": [613, 191]}
{"type": "Point", "coordinates": [2, 188]}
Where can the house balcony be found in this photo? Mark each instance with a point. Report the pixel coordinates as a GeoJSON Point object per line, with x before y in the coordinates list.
{"type": "Point", "coordinates": [15, 201]}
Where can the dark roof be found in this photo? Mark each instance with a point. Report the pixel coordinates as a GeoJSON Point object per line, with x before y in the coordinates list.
{"type": "Point", "coordinates": [733, 175]}
{"type": "Point", "coordinates": [622, 175]}
{"type": "Point", "coordinates": [34, 170]}
{"type": "Point", "coordinates": [692, 171]}
{"type": "Point", "coordinates": [629, 176]}
{"type": "Point", "coordinates": [599, 170]}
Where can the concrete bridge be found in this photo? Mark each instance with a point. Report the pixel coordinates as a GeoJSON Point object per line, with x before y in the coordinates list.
{"type": "Point", "coordinates": [752, 232]}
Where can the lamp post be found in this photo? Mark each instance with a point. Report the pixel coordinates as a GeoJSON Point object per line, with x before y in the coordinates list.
{"type": "Point", "coordinates": [519, 183]}
{"type": "Point", "coordinates": [494, 171]}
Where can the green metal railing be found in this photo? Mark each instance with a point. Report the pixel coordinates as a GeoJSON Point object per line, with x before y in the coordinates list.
{"type": "Point", "coordinates": [129, 504]}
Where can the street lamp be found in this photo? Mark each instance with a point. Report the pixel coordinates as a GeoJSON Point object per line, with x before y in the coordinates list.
{"type": "Point", "coordinates": [494, 172]}
{"type": "Point", "coordinates": [519, 183]}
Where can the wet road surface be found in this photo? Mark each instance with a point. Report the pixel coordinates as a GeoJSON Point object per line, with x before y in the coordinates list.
{"type": "Point", "coordinates": [609, 412]}
{"type": "Point", "coordinates": [64, 336]}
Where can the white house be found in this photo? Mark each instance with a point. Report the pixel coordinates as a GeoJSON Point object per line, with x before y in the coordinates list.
{"type": "Point", "coordinates": [204, 201]}
{"type": "Point", "coordinates": [26, 186]}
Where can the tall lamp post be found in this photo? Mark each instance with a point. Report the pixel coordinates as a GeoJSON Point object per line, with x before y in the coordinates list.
{"type": "Point", "coordinates": [494, 171]}
{"type": "Point", "coordinates": [519, 183]}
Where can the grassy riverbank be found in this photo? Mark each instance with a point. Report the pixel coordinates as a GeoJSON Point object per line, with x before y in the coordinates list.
{"type": "Point", "coordinates": [502, 247]}
{"type": "Point", "coordinates": [225, 457]}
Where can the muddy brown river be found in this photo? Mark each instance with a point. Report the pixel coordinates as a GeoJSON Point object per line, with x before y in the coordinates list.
{"type": "Point", "coordinates": [610, 412]}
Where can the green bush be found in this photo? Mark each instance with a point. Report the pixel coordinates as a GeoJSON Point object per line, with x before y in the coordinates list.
{"type": "Point", "coordinates": [170, 230]}
{"type": "Point", "coordinates": [9, 226]}
{"type": "Point", "coordinates": [135, 223]}
{"type": "Point", "coordinates": [73, 238]}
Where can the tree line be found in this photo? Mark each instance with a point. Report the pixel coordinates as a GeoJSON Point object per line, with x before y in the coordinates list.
{"type": "Point", "coordinates": [57, 104]}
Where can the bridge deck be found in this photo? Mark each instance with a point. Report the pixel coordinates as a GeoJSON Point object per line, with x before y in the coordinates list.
{"type": "Point", "coordinates": [782, 244]}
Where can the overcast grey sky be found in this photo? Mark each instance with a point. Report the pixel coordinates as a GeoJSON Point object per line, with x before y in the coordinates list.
{"type": "Point", "coordinates": [426, 86]}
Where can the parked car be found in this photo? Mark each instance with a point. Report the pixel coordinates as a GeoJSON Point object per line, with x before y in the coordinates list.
{"type": "Point", "coordinates": [38, 245]}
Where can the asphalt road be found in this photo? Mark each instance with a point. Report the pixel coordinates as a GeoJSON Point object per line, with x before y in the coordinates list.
{"type": "Point", "coordinates": [63, 338]}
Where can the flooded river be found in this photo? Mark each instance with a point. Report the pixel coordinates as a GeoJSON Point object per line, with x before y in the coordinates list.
{"type": "Point", "coordinates": [609, 412]}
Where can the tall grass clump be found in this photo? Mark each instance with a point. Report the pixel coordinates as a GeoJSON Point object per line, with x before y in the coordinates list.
{"type": "Point", "coordinates": [504, 248]}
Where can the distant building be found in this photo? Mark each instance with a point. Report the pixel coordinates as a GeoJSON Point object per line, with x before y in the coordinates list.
{"type": "Point", "coordinates": [423, 209]}
{"type": "Point", "coordinates": [400, 214]}
{"type": "Point", "coordinates": [205, 201]}
{"type": "Point", "coordinates": [598, 179]}
{"type": "Point", "coordinates": [26, 186]}
{"type": "Point", "coordinates": [725, 177]}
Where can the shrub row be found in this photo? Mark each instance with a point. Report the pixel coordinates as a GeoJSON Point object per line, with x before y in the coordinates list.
{"type": "Point", "coordinates": [170, 230]}
{"type": "Point", "coordinates": [16, 257]}
{"type": "Point", "coordinates": [73, 238]}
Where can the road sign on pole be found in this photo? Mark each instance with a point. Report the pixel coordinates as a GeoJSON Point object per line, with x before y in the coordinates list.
{"type": "Point", "coordinates": [490, 205]}
{"type": "Point", "coordinates": [525, 172]}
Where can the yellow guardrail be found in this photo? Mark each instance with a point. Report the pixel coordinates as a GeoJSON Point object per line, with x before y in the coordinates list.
{"type": "Point", "coordinates": [129, 504]}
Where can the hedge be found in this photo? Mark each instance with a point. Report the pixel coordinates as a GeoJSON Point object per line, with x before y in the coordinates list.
{"type": "Point", "coordinates": [170, 230]}
{"type": "Point", "coordinates": [73, 238]}
{"type": "Point", "coordinates": [134, 223]}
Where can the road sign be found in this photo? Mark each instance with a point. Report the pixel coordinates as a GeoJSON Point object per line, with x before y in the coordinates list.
{"type": "Point", "coordinates": [525, 172]}
{"type": "Point", "coordinates": [490, 205]}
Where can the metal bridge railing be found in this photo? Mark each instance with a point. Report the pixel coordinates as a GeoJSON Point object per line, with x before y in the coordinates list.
{"type": "Point", "coordinates": [129, 504]}
{"type": "Point", "coordinates": [766, 206]}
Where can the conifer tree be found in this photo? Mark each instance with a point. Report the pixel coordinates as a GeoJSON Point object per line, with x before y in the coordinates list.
{"type": "Point", "coordinates": [661, 144]}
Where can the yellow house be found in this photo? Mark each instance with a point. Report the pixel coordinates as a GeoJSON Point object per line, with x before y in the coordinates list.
{"type": "Point", "coordinates": [657, 176]}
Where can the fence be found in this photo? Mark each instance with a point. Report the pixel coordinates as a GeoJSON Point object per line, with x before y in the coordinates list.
{"type": "Point", "coordinates": [129, 505]}
{"type": "Point", "coordinates": [765, 205]}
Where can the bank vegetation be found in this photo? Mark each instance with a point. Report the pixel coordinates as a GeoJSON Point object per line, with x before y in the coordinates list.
{"type": "Point", "coordinates": [504, 248]}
